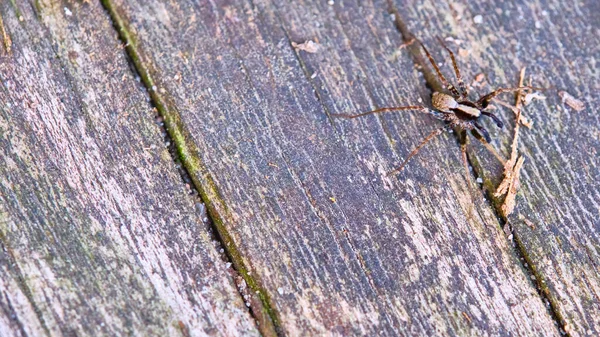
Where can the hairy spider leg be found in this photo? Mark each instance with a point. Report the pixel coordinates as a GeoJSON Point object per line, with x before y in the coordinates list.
{"type": "Point", "coordinates": [432, 135]}
{"type": "Point", "coordinates": [396, 108]}
{"type": "Point", "coordinates": [461, 83]}
{"type": "Point", "coordinates": [489, 147]}
{"type": "Point", "coordinates": [485, 100]}
{"type": "Point", "coordinates": [483, 131]}
{"type": "Point", "coordinates": [439, 73]}
{"type": "Point", "coordinates": [494, 117]}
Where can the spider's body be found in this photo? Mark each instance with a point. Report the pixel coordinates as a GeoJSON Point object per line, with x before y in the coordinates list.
{"type": "Point", "coordinates": [455, 108]}
{"type": "Point", "coordinates": [463, 114]}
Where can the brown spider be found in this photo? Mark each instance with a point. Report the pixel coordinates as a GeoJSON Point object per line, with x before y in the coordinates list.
{"type": "Point", "coordinates": [454, 108]}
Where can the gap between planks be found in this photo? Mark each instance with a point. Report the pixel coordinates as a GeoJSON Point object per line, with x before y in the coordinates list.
{"type": "Point", "coordinates": [261, 310]}
{"type": "Point", "coordinates": [518, 247]}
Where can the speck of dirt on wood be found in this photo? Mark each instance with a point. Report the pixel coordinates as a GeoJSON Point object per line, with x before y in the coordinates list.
{"type": "Point", "coordinates": [531, 96]}
{"type": "Point", "coordinates": [307, 46]}
{"type": "Point", "coordinates": [571, 101]}
{"type": "Point", "coordinates": [185, 331]}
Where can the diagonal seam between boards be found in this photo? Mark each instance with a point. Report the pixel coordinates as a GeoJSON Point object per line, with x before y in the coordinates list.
{"type": "Point", "coordinates": [262, 311]}
{"type": "Point", "coordinates": [266, 315]}
{"type": "Point", "coordinates": [519, 248]}
{"type": "Point", "coordinates": [430, 78]}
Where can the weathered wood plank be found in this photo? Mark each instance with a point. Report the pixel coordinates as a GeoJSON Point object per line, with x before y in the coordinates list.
{"type": "Point", "coordinates": [329, 243]}
{"type": "Point", "coordinates": [98, 233]}
{"type": "Point", "coordinates": [557, 221]}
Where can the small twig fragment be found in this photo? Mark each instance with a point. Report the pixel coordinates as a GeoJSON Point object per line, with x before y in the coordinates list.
{"type": "Point", "coordinates": [510, 184]}
{"type": "Point", "coordinates": [517, 107]}
{"type": "Point", "coordinates": [511, 188]}
{"type": "Point", "coordinates": [524, 121]}
{"type": "Point", "coordinates": [307, 46]}
{"type": "Point", "coordinates": [5, 37]}
{"type": "Point", "coordinates": [571, 101]}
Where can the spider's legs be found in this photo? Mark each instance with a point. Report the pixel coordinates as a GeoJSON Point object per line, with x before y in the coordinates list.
{"type": "Point", "coordinates": [482, 131]}
{"type": "Point", "coordinates": [494, 117]}
{"type": "Point", "coordinates": [485, 100]}
{"type": "Point", "coordinates": [439, 73]}
{"type": "Point", "coordinates": [432, 135]}
{"type": "Point", "coordinates": [396, 108]}
{"type": "Point", "coordinates": [461, 83]}
{"type": "Point", "coordinates": [489, 147]}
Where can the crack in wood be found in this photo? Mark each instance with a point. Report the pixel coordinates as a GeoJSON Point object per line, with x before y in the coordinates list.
{"type": "Point", "coordinates": [267, 323]}
{"type": "Point", "coordinates": [518, 248]}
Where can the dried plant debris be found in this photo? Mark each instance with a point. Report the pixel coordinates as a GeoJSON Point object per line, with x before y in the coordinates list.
{"type": "Point", "coordinates": [5, 37]}
{"type": "Point", "coordinates": [510, 186]}
{"type": "Point", "coordinates": [522, 120]}
{"type": "Point", "coordinates": [531, 96]}
{"type": "Point", "coordinates": [512, 168]}
{"type": "Point", "coordinates": [525, 100]}
{"type": "Point", "coordinates": [307, 46]}
{"type": "Point", "coordinates": [571, 101]}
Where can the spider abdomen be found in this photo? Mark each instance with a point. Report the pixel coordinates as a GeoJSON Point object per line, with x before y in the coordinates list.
{"type": "Point", "coordinates": [443, 102]}
{"type": "Point", "coordinates": [446, 103]}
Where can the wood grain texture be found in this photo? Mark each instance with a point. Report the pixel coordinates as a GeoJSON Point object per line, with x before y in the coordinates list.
{"type": "Point", "coordinates": [98, 233]}
{"type": "Point", "coordinates": [557, 221]}
{"type": "Point", "coordinates": [329, 243]}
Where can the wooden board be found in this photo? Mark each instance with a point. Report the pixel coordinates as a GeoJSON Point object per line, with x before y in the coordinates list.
{"type": "Point", "coordinates": [329, 244]}
{"type": "Point", "coordinates": [98, 233]}
{"type": "Point", "coordinates": [557, 220]}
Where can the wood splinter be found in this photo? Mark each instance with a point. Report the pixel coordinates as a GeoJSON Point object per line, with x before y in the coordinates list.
{"type": "Point", "coordinates": [512, 168]}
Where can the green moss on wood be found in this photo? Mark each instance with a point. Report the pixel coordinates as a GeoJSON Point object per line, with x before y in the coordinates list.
{"type": "Point", "coordinates": [203, 181]}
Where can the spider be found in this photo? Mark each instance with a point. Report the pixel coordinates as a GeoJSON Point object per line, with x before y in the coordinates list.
{"type": "Point", "coordinates": [453, 107]}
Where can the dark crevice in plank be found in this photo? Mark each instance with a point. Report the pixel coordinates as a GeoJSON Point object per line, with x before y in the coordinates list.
{"type": "Point", "coordinates": [98, 226]}
{"type": "Point", "coordinates": [487, 187]}
{"type": "Point", "coordinates": [183, 151]}
{"type": "Point", "coordinates": [312, 201]}
{"type": "Point", "coordinates": [318, 92]}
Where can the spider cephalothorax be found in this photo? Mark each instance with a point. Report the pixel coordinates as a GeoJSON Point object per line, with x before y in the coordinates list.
{"type": "Point", "coordinates": [454, 107]}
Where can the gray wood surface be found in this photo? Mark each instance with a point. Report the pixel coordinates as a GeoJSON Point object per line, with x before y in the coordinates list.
{"type": "Point", "coordinates": [330, 244]}
{"type": "Point", "coordinates": [557, 220]}
{"type": "Point", "coordinates": [98, 233]}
